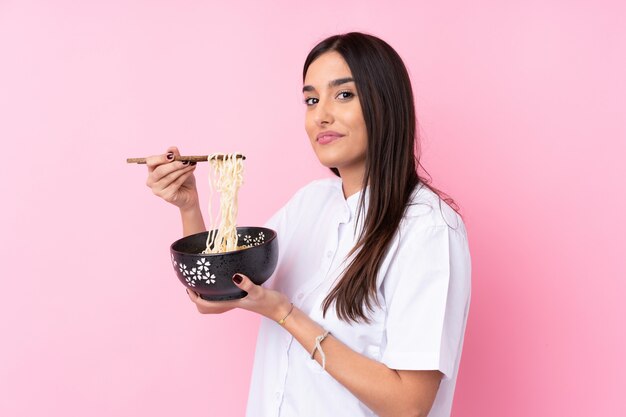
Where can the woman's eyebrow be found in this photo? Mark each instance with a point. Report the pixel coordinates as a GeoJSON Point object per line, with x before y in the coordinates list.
{"type": "Point", "coordinates": [333, 83]}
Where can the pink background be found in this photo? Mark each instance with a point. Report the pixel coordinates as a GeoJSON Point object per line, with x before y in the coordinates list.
{"type": "Point", "coordinates": [522, 107]}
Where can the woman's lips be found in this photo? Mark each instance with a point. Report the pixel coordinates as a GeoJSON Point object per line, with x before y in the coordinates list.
{"type": "Point", "coordinates": [326, 139]}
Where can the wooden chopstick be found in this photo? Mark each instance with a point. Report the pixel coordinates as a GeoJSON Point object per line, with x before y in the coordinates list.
{"type": "Point", "coordinates": [192, 158]}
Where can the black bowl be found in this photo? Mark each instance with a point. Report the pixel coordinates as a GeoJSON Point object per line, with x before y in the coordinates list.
{"type": "Point", "coordinates": [210, 275]}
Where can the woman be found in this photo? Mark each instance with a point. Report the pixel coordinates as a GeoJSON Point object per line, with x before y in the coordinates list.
{"type": "Point", "coordinates": [374, 256]}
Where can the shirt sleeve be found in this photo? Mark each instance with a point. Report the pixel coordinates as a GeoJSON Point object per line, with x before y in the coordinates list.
{"type": "Point", "coordinates": [427, 294]}
{"type": "Point", "coordinates": [282, 222]}
{"type": "Point", "coordinates": [276, 222]}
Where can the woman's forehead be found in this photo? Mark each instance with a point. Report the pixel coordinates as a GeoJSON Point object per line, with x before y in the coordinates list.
{"type": "Point", "coordinates": [326, 68]}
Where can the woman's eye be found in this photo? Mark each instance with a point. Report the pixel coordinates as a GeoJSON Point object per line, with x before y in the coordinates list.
{"type": "Point", "coordinates": [308, 102]}
{"type": "Point", "coordinates": [345, 94]}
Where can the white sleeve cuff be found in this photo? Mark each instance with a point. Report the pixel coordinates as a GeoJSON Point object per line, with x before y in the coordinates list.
{"type": "Point", "coordinates": [418, 361]}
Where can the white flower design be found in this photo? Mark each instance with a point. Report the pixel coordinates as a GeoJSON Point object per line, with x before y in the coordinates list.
{"type": "Point", "coordinates": [256, 241]}
{"type": "Point", "coordinates": [204, 264]}
{"type": "Point", "coordinates": [210, 279]}
{"type": "Point", "coordinates": [194, 274]}
{"type": "Point", "coordinates": [199, 273]}
{"type": "Point", "coordinates": [190, 281]}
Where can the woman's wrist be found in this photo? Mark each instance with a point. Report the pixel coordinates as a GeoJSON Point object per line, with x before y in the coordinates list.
{"type": "Point", "coordinates": [191, 206]}
{"type": "Point", "coordinates": [283, 316]}
{"type": "Point", "coordinates": [191, 217]}
{"type": "Point", "coordinates": [282, 310]}
{"type": "Point", "coordinates": [303, 328]}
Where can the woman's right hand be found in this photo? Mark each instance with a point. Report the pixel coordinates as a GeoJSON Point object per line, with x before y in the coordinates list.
{"type": "Point", "coordinates": [171, 180]}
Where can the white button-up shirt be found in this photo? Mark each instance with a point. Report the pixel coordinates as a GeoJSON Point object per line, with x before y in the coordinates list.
{"type": "Point", "coordinates": [423, 287]}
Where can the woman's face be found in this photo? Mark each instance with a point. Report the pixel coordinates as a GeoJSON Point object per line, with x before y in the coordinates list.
{"type": "Point", "coordinates": [332, 105]}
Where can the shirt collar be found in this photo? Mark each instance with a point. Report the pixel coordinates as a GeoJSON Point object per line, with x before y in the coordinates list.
{"type": "Point", "coordinates": [352, 202]}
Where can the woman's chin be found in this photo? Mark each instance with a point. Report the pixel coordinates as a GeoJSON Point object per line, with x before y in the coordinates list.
{"type": "Point", "coordinates": [330, 159]}
{"type": "Point", "coordinates": [328, 163]}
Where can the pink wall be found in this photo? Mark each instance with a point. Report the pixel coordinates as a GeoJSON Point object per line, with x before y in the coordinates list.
{"type": "Point", "coordinates": [522, 109]}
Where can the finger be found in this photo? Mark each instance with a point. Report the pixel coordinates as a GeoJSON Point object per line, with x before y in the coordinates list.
{"type": "Point", "coordinates": [155, 161]}
{"type": "Point", "coordinates": [195, 298]}
{"type": "Point", "coordinates": [246, 284]}
{"type": "Point", "coordinates": [205, 306]}
{"type": "Point", "coordinates": [170, 192]}
{"type": "Point", "coordinates": [192, 294]}
{"type": "Point", "coordinates": [169, 179]}
{"type": "Point", "coordinates": [161, 171]}
{"type": "Point", "coordinates": [174, 150]}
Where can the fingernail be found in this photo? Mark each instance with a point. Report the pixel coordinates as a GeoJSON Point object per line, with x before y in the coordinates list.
{"type": "Point", "coordinates": [185, 162]}
{"type": "Point", "coordinates": [237, 279]}
{"type": "Point", "coordinates": [187, 291]}
{"type": "Point", "coordinates": [193, 163]}
{"type": "Point", "coordinates": [170, 156]}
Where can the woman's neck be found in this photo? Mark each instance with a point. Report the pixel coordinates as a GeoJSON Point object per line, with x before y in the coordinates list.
{"type": "Point", "coordinates": [352, 181]}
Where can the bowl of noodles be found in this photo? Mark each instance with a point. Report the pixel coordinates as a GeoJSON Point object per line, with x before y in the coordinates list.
{"type": "Point", "coordinates": [206, 262]}
{"type": "Point", "coordinates": [208, 270]}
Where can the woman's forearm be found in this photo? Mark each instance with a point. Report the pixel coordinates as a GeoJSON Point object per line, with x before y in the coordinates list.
{"type": "Point", "coordinates": [372, 382]}
{"type": "Point", "coordinates": [192, 220]}
{"type": "Point", "coordinates": [388, 392]}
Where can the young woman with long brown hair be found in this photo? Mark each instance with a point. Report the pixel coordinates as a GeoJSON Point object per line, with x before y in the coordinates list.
{"type": "Point", "coordinates": [373, 277]}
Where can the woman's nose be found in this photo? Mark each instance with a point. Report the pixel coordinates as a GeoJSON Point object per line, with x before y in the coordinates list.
{"type": "Point", "coordinates": [323, 113]}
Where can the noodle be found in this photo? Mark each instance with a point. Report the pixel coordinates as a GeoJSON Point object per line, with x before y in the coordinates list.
{"type": "Point", "coordinates": [229, 172]}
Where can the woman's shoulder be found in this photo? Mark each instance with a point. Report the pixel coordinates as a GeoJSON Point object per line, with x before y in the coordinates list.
{"type": "Point", "coordinates": [426, 209]}
{"type": "Point", "coordinates": [318, 188]}
{"type": "Point", "coordinates": [315, 192]}
{"type": "Point", "coordinates": [322, 185]}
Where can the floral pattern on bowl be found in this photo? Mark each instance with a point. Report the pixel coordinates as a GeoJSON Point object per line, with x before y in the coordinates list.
{"type": "Point", "coordinates": [210, 274]}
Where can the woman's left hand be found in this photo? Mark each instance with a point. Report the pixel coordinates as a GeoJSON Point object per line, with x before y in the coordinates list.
{"type": "Point", "coordinates": [269, 303]}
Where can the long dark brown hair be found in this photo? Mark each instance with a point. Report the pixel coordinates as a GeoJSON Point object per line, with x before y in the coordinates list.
{"type": "Point", "coordinates": [393, 155]}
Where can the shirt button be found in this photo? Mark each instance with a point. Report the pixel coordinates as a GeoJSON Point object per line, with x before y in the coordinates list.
{"type": "Point", "coordinates": [277, 395]}
{"type": "Point", "coordinates": [329, 254]}
{"type": "Point", "coordinates": [300, 296]}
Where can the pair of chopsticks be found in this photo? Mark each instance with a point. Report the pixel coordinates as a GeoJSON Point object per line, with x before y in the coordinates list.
{"type": "Point", "coordinates": [192, 158]}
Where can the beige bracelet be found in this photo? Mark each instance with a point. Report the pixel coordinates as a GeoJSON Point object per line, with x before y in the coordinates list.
{"type": "Point", "coordinates": [282, 321]}
{"type": "Point", "coordinates": [318, 346]}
